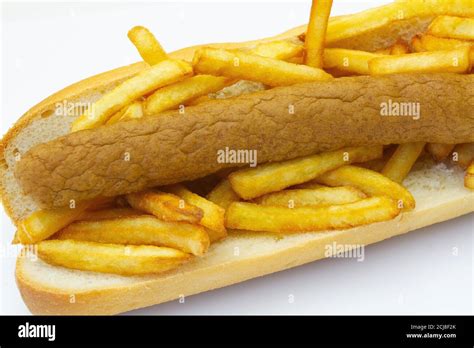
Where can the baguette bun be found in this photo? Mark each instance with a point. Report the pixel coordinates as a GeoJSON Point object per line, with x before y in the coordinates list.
{"type": "Point", "coordinates": [47, 289]}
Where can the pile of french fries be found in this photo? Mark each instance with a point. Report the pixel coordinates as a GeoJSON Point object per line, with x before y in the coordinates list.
{"type": "Point", "coordinates": [160, 229]}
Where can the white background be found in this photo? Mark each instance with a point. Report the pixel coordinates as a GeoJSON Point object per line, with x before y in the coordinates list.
{"type": "Point", "coordinates": [47, 46]}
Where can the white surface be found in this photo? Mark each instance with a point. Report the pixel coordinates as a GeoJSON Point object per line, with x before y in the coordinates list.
{"type": "Point", "coordinates": [47, 46]}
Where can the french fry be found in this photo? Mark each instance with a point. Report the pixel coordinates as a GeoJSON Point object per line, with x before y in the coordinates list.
{"type": "Point", "coordinates": [147, 45]}
{"type": "Point", "coordinates": [401, 162]}
{"type": "Point", "coordinates": [245, 66]}
{"type": "Point", "coordinates": [400, 47]}
{"type": "Point", "coordinates": [464, 154]}
{"type": "Point", "coordinates": [254, 182]}
{"type": "Point", "coordinates": [172, 96]}
{"type": "Point", "coordinates": [158, 75]}
{"type": "Point", "coordinates": [213, 218]}
{"type": "Point", "coordinates": [107, 214]}
{"type": "Point", "coordinates": [316, 197]}
{"type": "Point", "coordinates": [433, 43]}
{"type": "Point", "coordinates": [316, 32]}
{"type": "Point", "coordinates": [254, 217]}
{"type": "Point", "coordinates": [351, 61]}
{"type": "Point", "coordinates": [140, 230]}
{"type": "Point", "coordinates": [369, 182]}
{"type": "Point", "coordinates": [469, 176]}
{"type": "Point", "coordinates": [199, 100]}
{"type": "Point", "coordinates": [190, 90]}
{"type": "Point", "coordinates": [42, 224]}
{"type": "Point", "coordinates": [417, 44]}
{"type": "Point", "coordinates": [132, 111]}
{"type": "Point", "coordinates": [455, 61]}
{"type": "Point", "coordinates": [165, 206]}
{"type": "Point", "coordinates": [377, 164]}
{"type": "Point", "coordinates": [110, 258]}
{"type": "Point", "coordinates": [223, 194]}
{"type": "Point", "coordinates": [278, 49]}
{"type": "Point", "coordinates": [452, 27]}
{"type": "Point", "coordinates": [343, 29]}
{"type": "Point", "coordinates": [439, 151]}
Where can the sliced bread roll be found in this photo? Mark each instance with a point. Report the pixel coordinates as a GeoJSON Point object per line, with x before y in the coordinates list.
{"type": "Point", "coordinates": [47, 289]}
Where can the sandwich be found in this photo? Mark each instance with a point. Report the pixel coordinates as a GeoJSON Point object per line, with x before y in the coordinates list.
{"type": "Point", "coordinates": [215, 164]}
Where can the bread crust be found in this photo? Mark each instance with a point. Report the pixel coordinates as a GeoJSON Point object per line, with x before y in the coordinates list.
{"type": "Point", "coordinates": [175, 147]}
{"type": "Point", "coordinates": [202, 277]}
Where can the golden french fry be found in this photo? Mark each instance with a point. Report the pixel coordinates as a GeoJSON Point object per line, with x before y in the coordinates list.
{"type": "Point", "coordinates": [158, 75]}
{"type": "Point", "coordinates": [315, 39]}
{"type": "Point", "coordinates": [401, 162]}
{"type": "Point", "coordinates": [343, 29]}
{"type": "Point", "coordinates": [223, 195]}
{"type": "Point", "coordinates": [42, 224]}
{"type": "Point", "coordinates": [117, 116]}
{"type": "Point", "coordinates": [130, 112]}
{"type": "Point", "coordinates": [147, 45]}
{"type": "Point", "coordinates": [140, 230]}
{"type": "Point", "coordinates": [279, 49]}
{"type": "Point", "coordinates": [213, 218]}
{"type": "Point", "coordinates": [254, 217]}
{"type": "Point", "coordinates": [107, 214]}
{"type": "Point", "coordinates": [254, 182]}
{"type": "Point", "coordinates": [452, 27]}
{"type": "Point", "coordinates": [464, 154]}
{"type": "Point", "coordinates": [433, 43]}
{"type": "Point", "coordinates": [378, 163]}
{"type": "Point", "coordinates": [199, 100]}
{"type": "Point", "coordinates": [245, 66]}
{"type": "Point", "coordinates": [400, 47]}
{"type": "Point", "coordinates": [469, 177]}
{"type": "Point", "coordinates": [172, 96]}
{"type": "Point", "coordinates": [439, 151]}
{"type": "Point", "coordinates": [455, 61]}
{"type": "Point", "coordinates": [369, 182]}
{"type": "Point", "coordinates": [191, 90]}
{"type": "Point", "coordinates": [110, 258]}
{"type": "Point", "coordinates": [165, 206]}
{"type": "Point", "coordinates": [417, 44]}
{"type": "Point", "coordinates": [317, 197]}
{"type": "Point", "coordinates": [351, 61]}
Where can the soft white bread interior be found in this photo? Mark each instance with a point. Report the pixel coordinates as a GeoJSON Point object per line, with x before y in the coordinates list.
{"type": "Point", "coordinates": [438, 190]}
{"type": "Point", "coordinates": [46, 289]}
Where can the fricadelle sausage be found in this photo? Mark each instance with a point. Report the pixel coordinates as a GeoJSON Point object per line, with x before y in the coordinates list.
{"type": "Point", "coordinates": [279, 124]}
